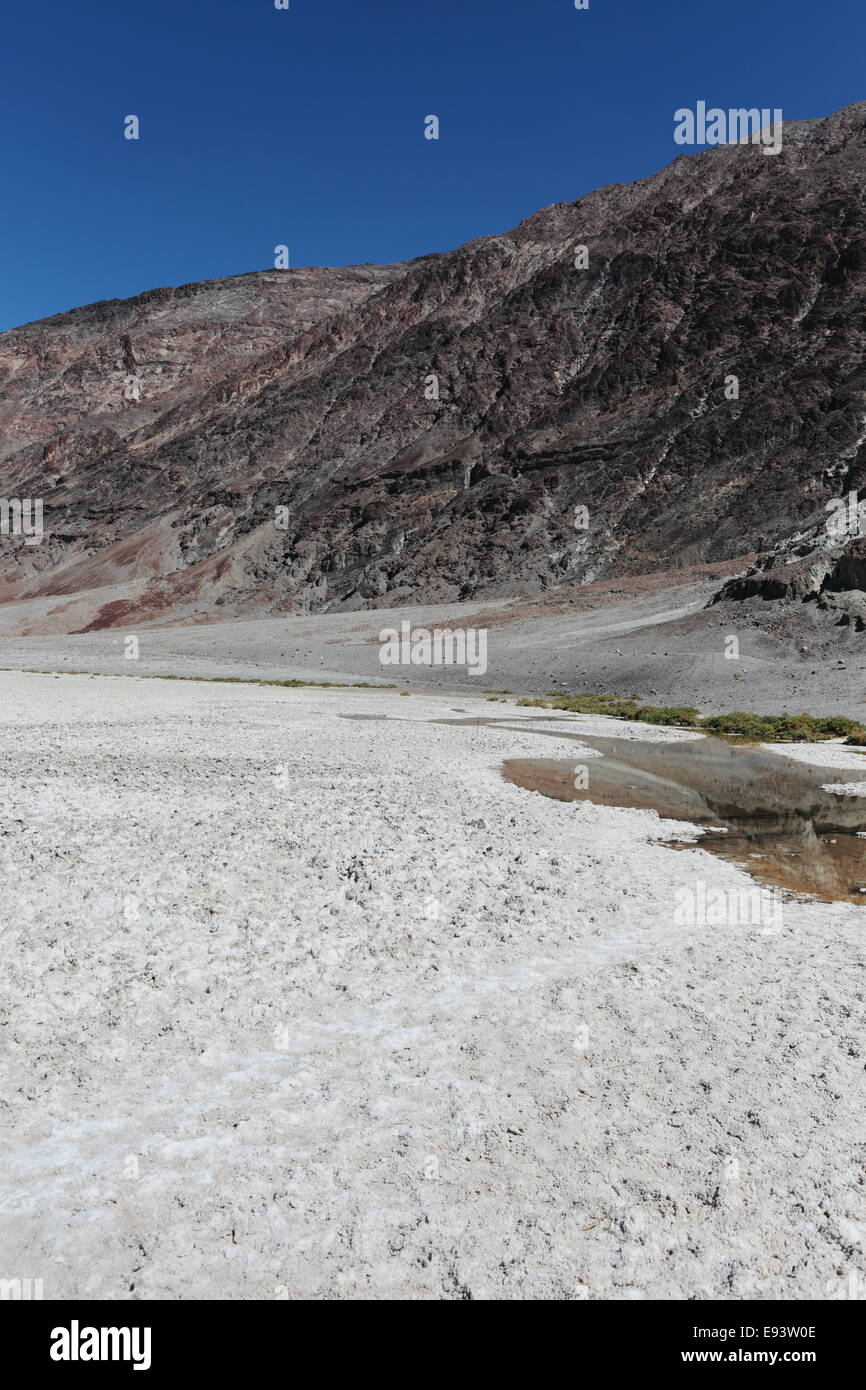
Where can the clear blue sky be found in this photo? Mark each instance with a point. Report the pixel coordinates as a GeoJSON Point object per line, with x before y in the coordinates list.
{"type": "Point", "coordinates": [305, 127]}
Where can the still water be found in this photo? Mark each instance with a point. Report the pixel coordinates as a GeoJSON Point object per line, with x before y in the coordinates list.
{"type": "Point", "coordinates": [763, 811]}
{"type": "Point", "coordinates": [767, 812]}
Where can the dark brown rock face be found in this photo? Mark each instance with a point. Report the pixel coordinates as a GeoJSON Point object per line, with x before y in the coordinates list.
{"type": "Point", "coordinates": [558, 388]}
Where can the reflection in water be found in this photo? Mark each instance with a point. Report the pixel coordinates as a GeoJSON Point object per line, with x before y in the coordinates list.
{"type": "Point", "coordinates": [768, 812]}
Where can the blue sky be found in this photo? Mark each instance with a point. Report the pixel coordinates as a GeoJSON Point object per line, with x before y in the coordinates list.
{"type": "Point", "coordinates": [306, 127]}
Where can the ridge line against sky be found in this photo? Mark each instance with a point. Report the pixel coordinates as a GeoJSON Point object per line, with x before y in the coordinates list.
{"type": "Point", "coordinates": [305, 127]}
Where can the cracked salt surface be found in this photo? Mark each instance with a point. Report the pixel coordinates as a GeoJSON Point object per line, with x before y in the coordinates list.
{"type": "Point", "coordinates": [389, 1027]}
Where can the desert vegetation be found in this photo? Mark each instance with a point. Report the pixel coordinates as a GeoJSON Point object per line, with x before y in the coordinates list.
{"type": "Point", "coordinates": [739, 724]}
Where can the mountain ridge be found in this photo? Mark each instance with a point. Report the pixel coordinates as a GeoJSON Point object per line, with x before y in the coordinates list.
{"type": "Point", "coordinates": [559, 388]}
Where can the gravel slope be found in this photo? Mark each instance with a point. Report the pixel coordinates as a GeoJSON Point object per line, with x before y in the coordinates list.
{"type": "Point", "coordinates": [662, 645]}
{"type": "Point", "coordinates": [295, 1005]}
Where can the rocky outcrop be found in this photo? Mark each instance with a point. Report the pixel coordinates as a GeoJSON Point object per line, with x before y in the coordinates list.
{"type": "Point", "coordinates": [817, 567]}
{"type": "Point", "coordinates": [433, 431]}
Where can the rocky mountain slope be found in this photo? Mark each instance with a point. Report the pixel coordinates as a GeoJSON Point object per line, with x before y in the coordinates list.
{"type": "Point", "coordinates": [312, 439]}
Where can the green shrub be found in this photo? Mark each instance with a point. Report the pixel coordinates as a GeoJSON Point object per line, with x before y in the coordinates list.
{"type": "Point", "coordinates": [835, 726]}
{"type": "Point", "coordinates": [669, 714]}
{"type": "Point", "coordinates": [782, 728]}
{"type": "Point", "coordinates": [756, 728]}
{"type": "Point", "coordinates": [610, 705]}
